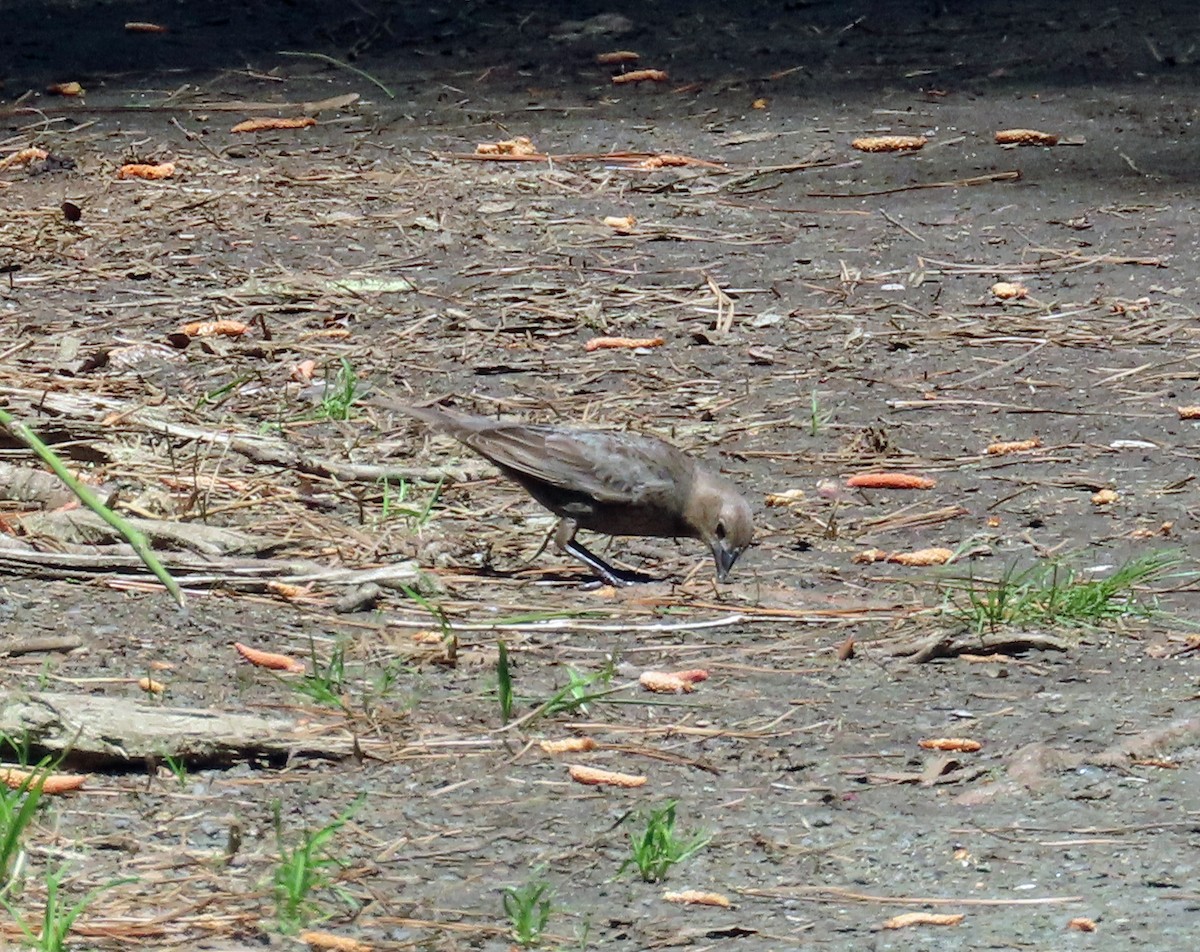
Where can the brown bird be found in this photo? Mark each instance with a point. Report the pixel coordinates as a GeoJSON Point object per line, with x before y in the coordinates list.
{"type": "Point", "coordinates": [615, 483]}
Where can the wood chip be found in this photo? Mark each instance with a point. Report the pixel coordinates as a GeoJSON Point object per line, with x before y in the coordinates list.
{"type": "Point", "coordinates": [568, 745]}
{"type": "Point", "coordinates": [1189, 413]}
{"type": "Point", "coordinates": [616, 58]}
{"type": "Point", "coordinates": [786, 497]}
{"type": "Point", "coordinates": [65, 89]}
{"type": "Point", "coordinates": [1009, 290]}
{"type": "Point", "coordinates": [14, 777]}
{"type": "Point", "coordinates": [268, 659]}
{"type": "Point", "coordinates": [267, 123]}
{"type": "Point", "coordinates": [592, 776]}
{"type": "Point", "coordinates": [889, 143]}
{"type": "Point", "coordinates": [640, 76]}
{"type": "Point", "coordinates": [663, 682]}
{"type": "Point", "coordinates": [890, 481]}
{"type": "Point", "coordinates": [923, 919]}
{"type": "Point", "coordinates": [962, 745]}
{"type": "Point", "coordinates": [694, 897]}
{"type": "Point", "coordinates": [1025, 137]}
{"type": "Point", "coordinates": [164, 170]}
{"type": "Point", "coordinates": [622, 343]}
{"type": "Point", "coordinates": [141, 26]}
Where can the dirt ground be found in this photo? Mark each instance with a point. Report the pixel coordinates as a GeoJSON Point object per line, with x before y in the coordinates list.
{"type": "Point", "coordinates": [824, 312]}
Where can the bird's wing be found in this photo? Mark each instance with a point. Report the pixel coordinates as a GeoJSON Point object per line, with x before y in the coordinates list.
{"type": "Point", "coordinates": [609, 467]}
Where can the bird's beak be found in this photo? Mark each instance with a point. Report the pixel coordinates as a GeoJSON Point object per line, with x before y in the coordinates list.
{"type": "Point", "coordinates": [724, 557]}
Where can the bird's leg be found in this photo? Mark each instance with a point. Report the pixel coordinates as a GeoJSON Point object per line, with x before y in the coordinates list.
{"type": "Point", "coordinates": [564, 538]}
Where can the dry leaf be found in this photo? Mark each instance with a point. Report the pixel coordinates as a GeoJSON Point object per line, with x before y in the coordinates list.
{"type": "Point", "coordinates": [266, 123]}
{"type": "Point", "coordinates": [150, 686]}
{"type": "Point", "coordinates": [958, 744]}
{"type": "Point", "coordinates": [923, 919]}
{"type": "Point", "coordinates": [165, 170]}
{"type": "Point", "coordinates": [1025, 137]}
{"type": "Point", "coordinates": [846, 649]}
{"type": "Point", "coordinates": [14, 777]}
{"type": "Point", "coordinates": [1009, 290]}
{"type": "Point", "coordinates": [662, 682]}
{"type": "Point", "coordinates": [641, 76]}
{"type": "Point", "coordinates": [1104, 497]}
{"type": "Point", "coordinates": [622, 343]}
{"type": "Point", "coordinates": [1082, 924]}
{"type": "Point", "coordinates": [616, 57]}
{"type": "Point", "coordinates": [1013, 446]}
{"type": "Point", "coordinates": [889, 143]}
{"type": "Point", "coordinates": [694, 897]}
{"type": "Point", "coordinates": [65, 89]}
{"type": "Point", "coordinates": [592, 776]}
{"type": "Point", "coordinates": [568, 745]}
{"type": "Point", "coordinates": [303, 371]}
{"type": "Point", "coordinates": [223, 328]}
{"type": "Point", "coordinates": [267, 659]}
{"type": "Point", "coordinates": [890, 481]}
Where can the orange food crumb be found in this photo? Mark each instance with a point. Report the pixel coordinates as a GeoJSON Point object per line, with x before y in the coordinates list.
{"type": "Point", "coordinates": [890, 481]}
{"type": "Point", "coordinates": [959, 744]}
{"type": "Point", "coordinates": [223, 328]}
{"type": "Point", "coordinates": [592, 776]}
{"type": "Point", "coordinates": [641, 76]}
{"type": "Point", "coordinates": [267, 659]}
{"type": "Point", "coordinates": [24, 157]}
{"type": "Point", "coordinates": [14, 777]}
{"type": "Point", "coordinates": [65, 89]}
{"type": "Point", "coordinates": [616, 57]}
{"type": "Point", "coordinates": [165, 170]}
{"type": "Point", "coordinates": [568, 745]}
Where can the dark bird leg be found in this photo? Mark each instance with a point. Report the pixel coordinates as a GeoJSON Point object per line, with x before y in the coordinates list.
{"type": "Point", "coordinates": [564, 538]}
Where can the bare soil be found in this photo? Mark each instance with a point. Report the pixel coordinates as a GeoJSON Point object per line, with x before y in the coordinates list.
{"type": "Point", "coordinates": [824, 312]}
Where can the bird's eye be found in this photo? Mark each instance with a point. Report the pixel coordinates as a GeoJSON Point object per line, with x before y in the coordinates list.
{"type": "Point", "coordinates": [720, 530]}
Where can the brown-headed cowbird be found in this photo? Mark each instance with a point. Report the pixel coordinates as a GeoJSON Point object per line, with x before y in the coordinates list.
{"type": "Point", "coordinates": [610, 482]}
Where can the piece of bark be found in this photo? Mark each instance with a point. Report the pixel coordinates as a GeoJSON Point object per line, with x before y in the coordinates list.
{"type": "Point", "coordinates": [83, 527]}
{"type": "Point", "coordinates": [929, 648]}
{"type": "Point", "coordinates": [96, 731]}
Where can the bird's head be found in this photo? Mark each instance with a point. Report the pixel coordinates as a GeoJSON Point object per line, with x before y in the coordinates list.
{"type": "Point", "coordinates": [723, 521]}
